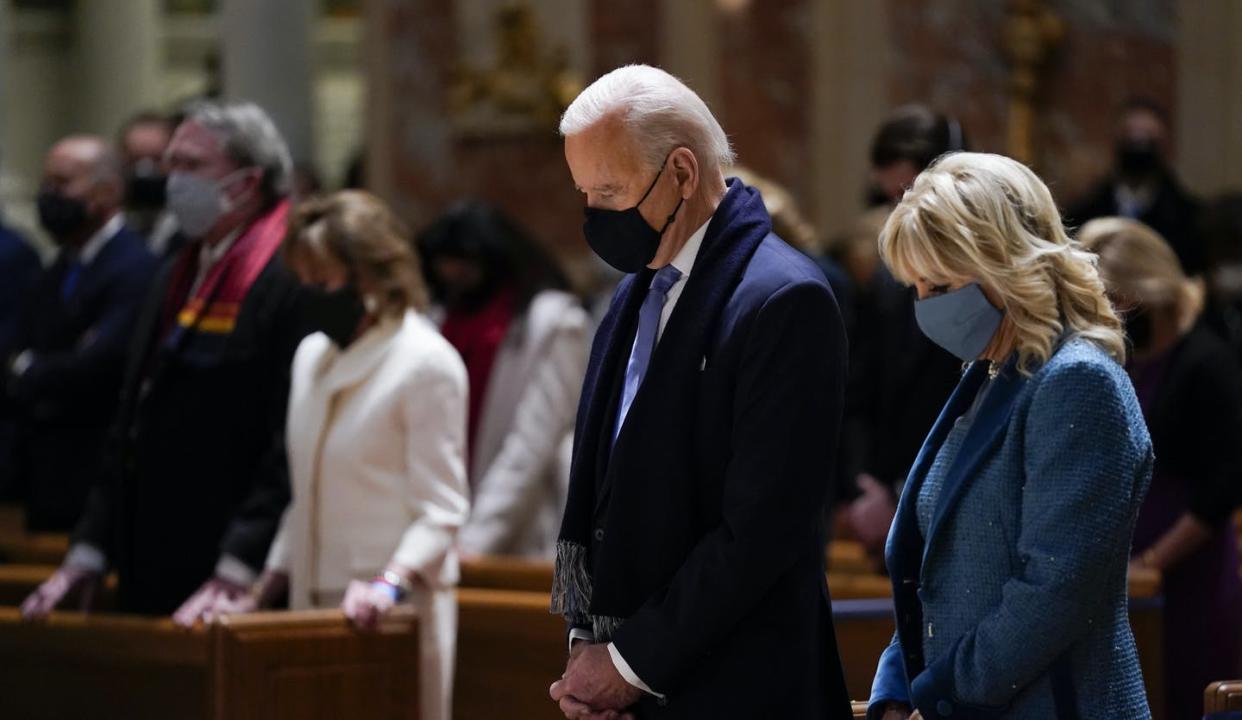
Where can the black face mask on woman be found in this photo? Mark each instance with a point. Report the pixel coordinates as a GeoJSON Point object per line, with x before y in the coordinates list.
{"type": "Point", "coordinates": [622, 238]}
{"type": "Point", "coordinates": [336, 313]}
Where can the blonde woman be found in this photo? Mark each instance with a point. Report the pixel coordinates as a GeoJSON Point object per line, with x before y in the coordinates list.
{"type": "Point", "coordinates": [376, 438]}
{"type": "Point", "coordinates": [1008, 552]}
{"type": "Point", "coordinates": [1190, 388]}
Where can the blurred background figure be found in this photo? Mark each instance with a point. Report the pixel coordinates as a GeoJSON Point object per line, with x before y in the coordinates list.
{"type": "Point", "coordinates": [1222, 234]}
{"type": "Point", "coordinates": [899, 380]}
{"type": "Point", "coordinates": [144, 139]}
{"type": "Point", "coordinates": [524, 340]}
{"type": "Point", "coordinates": [197, 477]}
{"type": "Point", "coordinates": [1143, 186]}
{"type": "Point", "coordinates": [20, 268]}
{"type": "Point", "coordinates": [377, 423]}
{"type": "Point", "coordinates": [1190, 389]}
{"type": "Point", "coordinates": [64, 376]}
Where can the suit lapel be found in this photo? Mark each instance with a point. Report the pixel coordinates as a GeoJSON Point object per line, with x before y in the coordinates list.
{"type": "Point", "coordinates": [905, 524]}
{"type": "Point", "coordinates": [989, 426]}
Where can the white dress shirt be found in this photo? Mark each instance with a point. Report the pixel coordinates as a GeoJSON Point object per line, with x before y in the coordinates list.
{"type": "Point", "coordinates": [684, 262]}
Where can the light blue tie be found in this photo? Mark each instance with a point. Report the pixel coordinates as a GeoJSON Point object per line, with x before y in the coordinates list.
{"type": "Point", "coordinates": [645, 341]}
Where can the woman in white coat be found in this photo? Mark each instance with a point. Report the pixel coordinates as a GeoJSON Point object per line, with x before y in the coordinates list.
{"type": "Point", "coordinates": [376, 438]}
{"type": "Point", "coordinates": [524, 341]}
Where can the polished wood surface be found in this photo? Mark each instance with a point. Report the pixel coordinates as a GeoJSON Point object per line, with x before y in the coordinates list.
{"type": "Point", "coordinates": [266, 665]}
{"type": "Point", "coordinates": [1223, 696]}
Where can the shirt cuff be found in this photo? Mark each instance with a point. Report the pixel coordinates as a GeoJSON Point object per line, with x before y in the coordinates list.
{"type": "Point", "coordinates": [22, 363]}
{"type": "Point", "coordinates": [580, 634]}
{"type": "Point", "coordinates": [628, 673]}
{"type": "Point", "coordinates": [86, 557]}
{"type": "Point", "coordinates": [235, 571]}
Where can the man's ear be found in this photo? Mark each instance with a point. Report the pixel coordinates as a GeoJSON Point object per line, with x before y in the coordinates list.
{"type": "Point", "coordinates": [686, 170]}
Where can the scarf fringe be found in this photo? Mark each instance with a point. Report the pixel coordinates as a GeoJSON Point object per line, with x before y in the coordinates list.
{"type": "Point", "coordinates": [571, 591]}
{"type": "Point", "coordinates": [571, 582]}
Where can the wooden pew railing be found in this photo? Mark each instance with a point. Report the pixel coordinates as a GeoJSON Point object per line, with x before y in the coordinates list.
{"type": "Point", "coordinates": [1223, 697]}
{"type": "Point", "coordinates": [510, 646]}
{"type": "Point", "coordinates": [267, 665]}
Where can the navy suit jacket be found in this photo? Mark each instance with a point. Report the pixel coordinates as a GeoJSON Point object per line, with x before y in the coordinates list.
{"type": "Point", "coordinates": [68, 394]}
{"type": "Point", "coordinates": [703, 525]}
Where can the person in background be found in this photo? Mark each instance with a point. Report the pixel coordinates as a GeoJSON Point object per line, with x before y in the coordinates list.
{"type": "Point", "coordinates": [1008, 554]}
{"type": "Point", "coordinates": [1222, 233]}
{"type": "Point", "coordinates": [1190, 387]}
{"type": "Point", "coordinates": [376, 438]}
{"type": "Point", "coordinates": [524, 342]}
{"type": "Point", "coordinates": [899, 379]}
{"type": "Point", "coordinates": [143, 142]}
{"type": "Point", "coordinates": [1143, 186]}
{"type": "Point", "coordinates": [197, 475]}
{"type": "Point", "coordinates": [20, 267]}
{"type": "Point", "coordinates": [64, 376]}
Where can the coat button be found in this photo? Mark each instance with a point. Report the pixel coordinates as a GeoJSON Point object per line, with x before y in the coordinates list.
{"type": "Point", "coordinates": [944, 707]}
{"type": "Point", "coordinates": [662, 702]}
{"type": "Point", "coordinates": [599, 534]}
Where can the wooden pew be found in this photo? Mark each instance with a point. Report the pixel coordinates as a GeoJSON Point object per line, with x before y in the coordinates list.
{"type": "Point", "coordinates": [267, 665]}
{"type": "Point", "coordinates": [510, 649]}
{"type": "Point", "coordinates": [1222, 697]}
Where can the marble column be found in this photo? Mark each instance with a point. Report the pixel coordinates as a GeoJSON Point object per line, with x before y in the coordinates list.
{"type": "Point", "coordinates": [117, 51]}
{"type": "Point", "coordinates": [1208, 121]}
{"type": "Point", "coordinates": [267, 59]}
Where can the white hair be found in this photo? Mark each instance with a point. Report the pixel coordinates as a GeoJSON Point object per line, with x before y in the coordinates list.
{"type": "Point", "coordinates": [658, 111]}
{"type": "Point", "coordinates": [251, 139]}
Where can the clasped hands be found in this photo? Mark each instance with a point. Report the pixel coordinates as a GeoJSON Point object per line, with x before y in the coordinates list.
{"type": "Point", "coordinates": [591, 688]}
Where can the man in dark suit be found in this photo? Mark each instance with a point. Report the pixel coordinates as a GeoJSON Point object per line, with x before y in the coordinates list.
{"type": "Point", "coordinates": [65, 374]}
{"type": "Point", "coordinates": [20, 268]}
{"type": "Point", "coordinates": [690, 565]}
{"type": "Point", "coordinates": [197, 477]}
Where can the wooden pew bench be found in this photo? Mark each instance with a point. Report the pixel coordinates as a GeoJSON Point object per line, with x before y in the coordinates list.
{"type": "Point", "coordinates": [1223, 697]}
{"type": "Point", "coordinates": [267, 665]}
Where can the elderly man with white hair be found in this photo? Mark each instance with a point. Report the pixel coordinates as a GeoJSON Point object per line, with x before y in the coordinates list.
{"type": "Point", "coordinates": [690, 565]}
{"type": "Point", "coordinates": [197, 479]}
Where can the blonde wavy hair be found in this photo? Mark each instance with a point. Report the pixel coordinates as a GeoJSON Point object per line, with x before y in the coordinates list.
{"type": "Point", "coordinates": [1138, 266]}
{"type": "Point", "coordinates": [978, 217]}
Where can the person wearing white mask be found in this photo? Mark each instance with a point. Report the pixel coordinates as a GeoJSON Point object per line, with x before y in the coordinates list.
{"type": "Point", "coordinates": [196, 478]}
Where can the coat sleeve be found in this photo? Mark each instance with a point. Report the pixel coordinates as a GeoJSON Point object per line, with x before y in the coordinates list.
{"type": "Point", "coordinates": [1086, 466]}
{"type": "Point", "coordinates": [1215, 418]}
{"type": "Point", "coordinates": [250, 531]}
{"type": "Point", "coordinates": [890, 683]}
{"type": "Point", "coordinates": [98, 359]}
{"type": "Point", "coordinates": [434, 425]}
{"type": "Point", "coordinates": [517, 480]}
{"type": "Point", "coordinates": [787, 401]}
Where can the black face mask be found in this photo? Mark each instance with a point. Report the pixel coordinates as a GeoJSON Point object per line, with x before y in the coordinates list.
{"type": "Point", "coordinates": [622, 238]}
{"type": "Point", "coordinates": [61, 215]}
{"type": "Point", "coordinates": [147, 191]}
{"type": "Point", "coordinates": [336, 313]}
{"type": "Point", "coordinates": [1138, 328]}
{"type": "Point", "coordinates": [1137, 159]}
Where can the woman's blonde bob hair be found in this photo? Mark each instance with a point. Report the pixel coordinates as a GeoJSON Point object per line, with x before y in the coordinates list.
{"type": "Point", "coordinates": [977, 217]}
{"type": "Point", "coordinates": [1138, 266]}
{"type": "Point", "coordinates": [357, 229]}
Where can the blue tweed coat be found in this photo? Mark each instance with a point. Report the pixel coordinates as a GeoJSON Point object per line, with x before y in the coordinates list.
{"type": "Point", "coordinates": [1016, 606]}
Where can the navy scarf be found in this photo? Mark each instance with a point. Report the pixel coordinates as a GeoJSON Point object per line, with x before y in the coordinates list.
{"type": "Point", "coordinates": [666, 399]}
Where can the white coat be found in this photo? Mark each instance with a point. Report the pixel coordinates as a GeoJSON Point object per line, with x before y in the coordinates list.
{"type": "Point", "coordinates": [520, 461]}
{"type": "Point", "coordinates": [376, 443]}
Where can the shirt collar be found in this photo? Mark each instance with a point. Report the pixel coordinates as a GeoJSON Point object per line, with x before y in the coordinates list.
{"type": "Point", "coordinates": [684, 260]}
{"type": "Point", "coordinates": [95, 243]}
{"type": "Point", "coordinates": [209, 255]}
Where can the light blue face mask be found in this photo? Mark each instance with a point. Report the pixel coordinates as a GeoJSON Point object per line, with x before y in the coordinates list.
{"type": "Point", "coordinates": [962, 322]}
